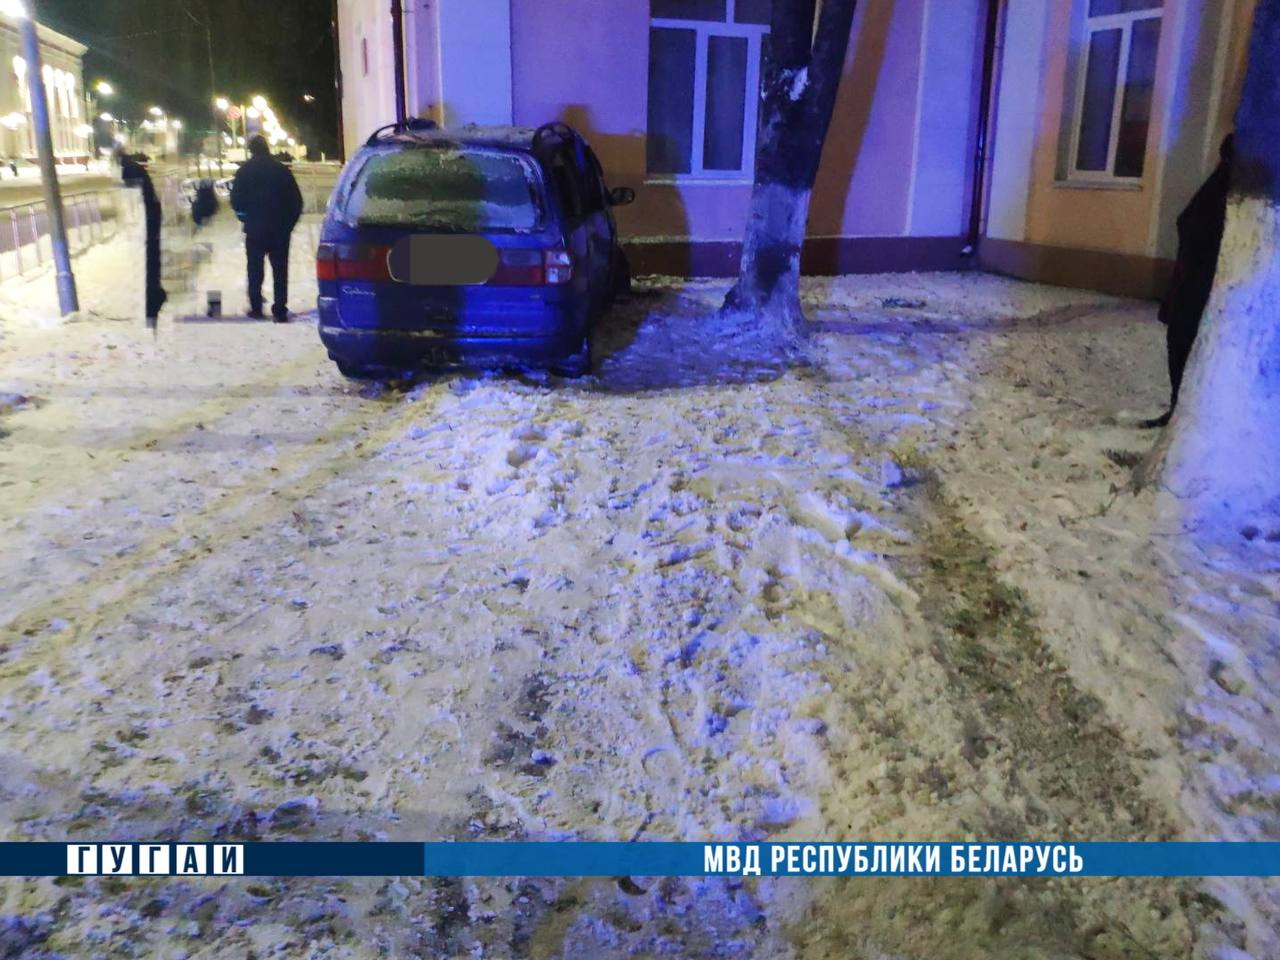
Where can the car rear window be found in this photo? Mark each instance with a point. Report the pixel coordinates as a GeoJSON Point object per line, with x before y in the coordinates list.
{"type": "Point", "coordinates": [451, 190]}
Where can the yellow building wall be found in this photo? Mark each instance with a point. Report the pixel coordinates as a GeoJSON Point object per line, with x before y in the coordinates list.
{"type": "Point", "coordinates": [1087, 217]}
{"type": "Point", "coordinates": [1117, 235]}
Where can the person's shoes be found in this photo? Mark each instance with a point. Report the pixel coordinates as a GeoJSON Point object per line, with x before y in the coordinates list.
{"type": "Point", "coordinates": [255, 313]}
{"type": "Point", "coordinates": [280, 316]}
{"type": "Point", "coordinates": [1160, 421]}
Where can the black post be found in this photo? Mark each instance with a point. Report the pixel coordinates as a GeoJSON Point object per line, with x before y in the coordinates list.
{"type": "Point", "coordinates": [213, 88]}
{"type": "Point", "coordinates": [984, 127]}
{"type": "Point", "coordinates": [337, 79]}
{"type": "Point", "coordinates": [397, 43]}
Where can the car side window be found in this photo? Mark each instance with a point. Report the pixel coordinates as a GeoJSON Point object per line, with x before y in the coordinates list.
{"type": "Point", "coordinates": [568, 185]}
{"type": "Point", "coordinates": [593, 182]}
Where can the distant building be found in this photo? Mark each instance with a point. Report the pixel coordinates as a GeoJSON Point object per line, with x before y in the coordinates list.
{"type": "Point", "coordinates": [1105, 117]}
{"type": "Point", "coordinates": [64, 82]}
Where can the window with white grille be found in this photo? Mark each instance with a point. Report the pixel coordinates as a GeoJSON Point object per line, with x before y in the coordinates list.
{"type": "Point", "coordinates": [704, 87]}
{"type": "Point", "coordinates": [1115, 85]}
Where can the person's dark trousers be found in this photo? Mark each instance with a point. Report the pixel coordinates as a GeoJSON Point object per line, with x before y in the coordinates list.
{"type": "Point", "coordinates": [156, 295]}
{"type": "Point", "coordinates": [1184, 326]}
{"type": "Point", "coordinates": [276, 249]}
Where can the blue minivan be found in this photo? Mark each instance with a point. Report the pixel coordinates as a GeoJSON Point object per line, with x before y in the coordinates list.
{"type": "Point", "coordinates": [472, 247]}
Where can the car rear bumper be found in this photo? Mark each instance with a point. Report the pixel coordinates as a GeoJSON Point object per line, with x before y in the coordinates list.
{"type": "Point", "coordinates": [404, 350]}
{"type": "Point", "coordinates": [527, 333]}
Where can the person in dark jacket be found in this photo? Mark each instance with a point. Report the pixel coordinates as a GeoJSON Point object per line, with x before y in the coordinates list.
{"type": "Point", "coordinates": [1200, 228]}
{"type": "Point", "coordinates": [204, 204]}
{"type": "Point", "coordinates": [268, 202]}
{"type": "Point", "coordinates": [135, 174]}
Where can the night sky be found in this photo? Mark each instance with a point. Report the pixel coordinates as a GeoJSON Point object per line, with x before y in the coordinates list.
{"type": "Point", "coordinates": [154, 52]}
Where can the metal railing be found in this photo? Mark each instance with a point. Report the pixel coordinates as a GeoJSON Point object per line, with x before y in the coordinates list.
{"type": "Point", "coordinates": [91, 218]}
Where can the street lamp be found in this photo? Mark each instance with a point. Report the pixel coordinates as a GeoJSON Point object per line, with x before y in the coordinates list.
{"type": "Point", "coordinates": [157, 128]}
{"type": "Point", "coordinates": [220, 107]}
{"type": "Point", "coordinates": [104, 89]}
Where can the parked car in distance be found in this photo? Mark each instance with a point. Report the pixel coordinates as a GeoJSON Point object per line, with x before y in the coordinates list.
{"type": "Point", "coordinates": [471, 247]}
{"type": "Point", "coordinates": [187, 188]}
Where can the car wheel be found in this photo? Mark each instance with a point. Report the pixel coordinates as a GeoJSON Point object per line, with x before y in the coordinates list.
{"type": "Point", "coordinates": [352, 371]}
{"type": "Point", "coordinates": [622, 277]}
{"type": "Point", "coordinates": [579, 364]}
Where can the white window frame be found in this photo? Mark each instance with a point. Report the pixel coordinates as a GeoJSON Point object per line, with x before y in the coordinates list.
{"type": "Point", "coordinates": [754, 34]}
{"type": "Point", "coordinates": [1097, 24]}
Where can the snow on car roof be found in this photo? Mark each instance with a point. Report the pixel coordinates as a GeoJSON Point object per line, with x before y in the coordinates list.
{"type": "Point", "coordinates": [471, 135]}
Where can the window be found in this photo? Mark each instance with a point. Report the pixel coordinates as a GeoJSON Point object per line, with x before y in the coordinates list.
{"type": "Point", "coordinates": [447, 190]}
{"type": "Point", "coordinates": [1116, 80]}
{"type": "Point", "coordinates": [566, 180]}
{"type": "Point", "coordinates": [704, 80]}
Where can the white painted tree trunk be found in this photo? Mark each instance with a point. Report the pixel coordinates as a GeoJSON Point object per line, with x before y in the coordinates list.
{"type": "Point", "coordinates": [802, 71]}
{"type": "Point", "coordinates": [771, 251]}
{"type": "Point", "coordinates": [1224, 458]}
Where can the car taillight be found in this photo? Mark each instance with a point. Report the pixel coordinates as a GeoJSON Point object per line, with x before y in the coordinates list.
{"type": "Point", "coordinates": [369, 263]}
{"type": "Point", "coordinates": [518, 268]}
{"type": "Point", "coordinates": [532, 268]}
{"type": "Point", "coordinates": [326, 262]}
{"type": "Point", "coordinates": [559, 267]}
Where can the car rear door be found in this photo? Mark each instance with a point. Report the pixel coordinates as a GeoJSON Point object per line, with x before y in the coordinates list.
{"type": "Point", "coordinates": [578, 224]}
{"type": "Point", "coordinates": [602, 226]}
{"type": "Point", "coordinates": [373, 293]}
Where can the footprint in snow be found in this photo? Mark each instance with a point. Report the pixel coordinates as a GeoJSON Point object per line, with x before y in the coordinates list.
{"type": "Point", "coordinates": [521, 454]}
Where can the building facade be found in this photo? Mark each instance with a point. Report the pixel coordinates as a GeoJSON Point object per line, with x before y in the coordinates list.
{"type": "Point", "coordinates": [1104, 116]}
{"type": "Point", "coordinates": [1108, 116]}
{"type": "Point", "coordinates": [69, 119]}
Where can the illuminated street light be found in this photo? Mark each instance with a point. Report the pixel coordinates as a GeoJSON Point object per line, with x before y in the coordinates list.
{"type": "Point", "coordinates": [253, 113]}
{"type": "Point", "coordinates": [14, 8]}
{"type": "Point", "coordinates": [107, 118]}
{"type": "Point", "coordinates": [308, 98]}
{"type": "Point", "coordinates": [260, 102]}
{"type": "Point", "coordinates": [156, 112]}
{"type": "Point", "coordinates": [222, 103]}
{"type": "Point", "coordinates": [103, 88]}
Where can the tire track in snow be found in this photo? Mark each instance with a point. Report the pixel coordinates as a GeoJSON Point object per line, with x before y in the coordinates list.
{"type": "Point", "coordinates": [1035, 757]}
{"type": "Point", "coordinates": [129, 576]}
{"type": "Point", "coordinates": [222, 407]}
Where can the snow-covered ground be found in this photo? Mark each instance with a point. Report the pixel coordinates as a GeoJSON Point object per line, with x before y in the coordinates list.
{"type": "Point", "coordinates": [898, 593]}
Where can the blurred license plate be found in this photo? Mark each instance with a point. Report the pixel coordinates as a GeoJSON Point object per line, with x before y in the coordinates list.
{"type": "Point", "coordinates": [443, 261]}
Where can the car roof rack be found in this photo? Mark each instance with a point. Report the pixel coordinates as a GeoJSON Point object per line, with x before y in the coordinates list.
{"type": "Point", "coordinates": [410, 126]}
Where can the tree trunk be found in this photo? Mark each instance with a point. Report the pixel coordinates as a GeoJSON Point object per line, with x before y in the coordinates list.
{"type": "Point", "coordinates": [1223, 459]}
{"type": "Point", "coordinates": [801, 76]}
